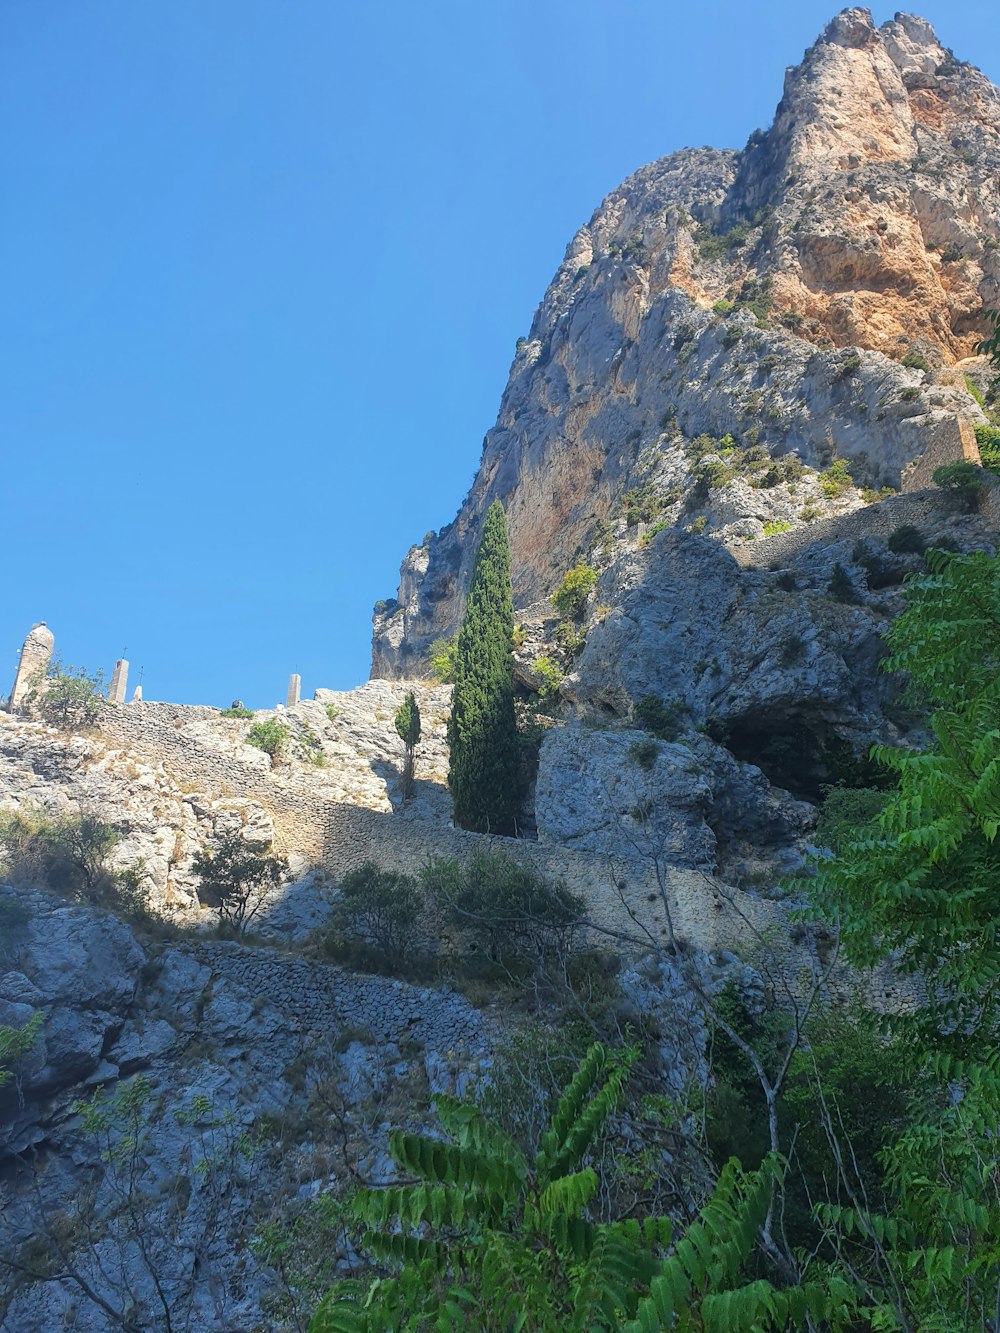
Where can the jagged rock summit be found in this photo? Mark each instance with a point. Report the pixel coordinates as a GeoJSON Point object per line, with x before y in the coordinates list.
{"type": "Point", "coordinates": [809, 296]}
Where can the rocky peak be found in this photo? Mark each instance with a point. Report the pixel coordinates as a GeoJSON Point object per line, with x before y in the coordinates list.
{"type": "Point", "coordinates": [806, 296]}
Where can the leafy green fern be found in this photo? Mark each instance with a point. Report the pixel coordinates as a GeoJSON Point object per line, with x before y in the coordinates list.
{"type": "Point", "coordinates": [484, 1238]}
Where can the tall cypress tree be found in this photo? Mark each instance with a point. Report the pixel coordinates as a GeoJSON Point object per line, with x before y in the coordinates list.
{"type": "Point", "coordinates": [482, 731]}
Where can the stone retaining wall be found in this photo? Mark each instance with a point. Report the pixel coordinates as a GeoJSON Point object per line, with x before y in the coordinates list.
{"type": "Point", "coordinates": [926, 509]}
{"type": "Point", "coordinates": [622, 896]}
{"type": "Point", "coordinates": [324, 999]}
{"type": "Point", "coordinates": [625, 898]}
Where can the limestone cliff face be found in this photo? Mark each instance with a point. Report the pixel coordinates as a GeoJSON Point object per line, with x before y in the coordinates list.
{"type": "Point", "coordinates": [772, 294]}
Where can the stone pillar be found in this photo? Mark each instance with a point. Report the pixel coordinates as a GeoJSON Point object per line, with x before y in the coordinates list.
{"type": "Point", "coordinates": [294, 690]}
{"type": "Point", "coordinates": [137, 695]}
{"type": "Point", "coordinates": [33, 666]}
{"type": "Point", "coordinates": [119, 680]}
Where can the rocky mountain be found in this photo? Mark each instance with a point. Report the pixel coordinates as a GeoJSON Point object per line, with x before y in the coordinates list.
{"type": "Point", "coordinates": [811, 299]}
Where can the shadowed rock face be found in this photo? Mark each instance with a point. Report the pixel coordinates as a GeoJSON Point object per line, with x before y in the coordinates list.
{"type": "Point", "coordinates": [865, 219]}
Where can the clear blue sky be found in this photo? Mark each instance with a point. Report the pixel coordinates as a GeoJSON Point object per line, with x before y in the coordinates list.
{"type": "Point", "coordinates": [264, 264]}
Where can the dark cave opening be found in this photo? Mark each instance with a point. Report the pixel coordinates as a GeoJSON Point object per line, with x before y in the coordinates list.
{"type": "Point", "coordinates": [802, 758]}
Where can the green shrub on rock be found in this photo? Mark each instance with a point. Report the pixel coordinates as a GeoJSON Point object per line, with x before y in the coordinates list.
{"type": "Point", "coordinates": [271, 736]}
{"type": "Point", "coordinates": [662, 719]}
{"type": "Point", "coordinates": [377, 912]}
{"type": "Point", "coordinates": [69, 855]}
{"type": "Point", "coordinates": [71, 696]}
{"type": "Point", "coordinates": [236, 879]}
{"type": "Point", "coordinates": [570, 598]}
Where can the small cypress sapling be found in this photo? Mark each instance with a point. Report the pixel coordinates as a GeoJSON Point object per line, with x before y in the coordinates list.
{"type": "Point", "coordinates": [840, 585]}
{"type": "Point", "coordinates": [483, 747]}
{"type": "Point", "coordinates": [408, 729]}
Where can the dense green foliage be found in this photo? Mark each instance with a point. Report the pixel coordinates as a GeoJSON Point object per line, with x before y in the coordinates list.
{"type": "Point", "coordinates": [15, 1043]}
{"type": "Point", "coordinates": [570, 598]}
{"type": "Point", "coordinates": [71, 856]}
{"type": "Point", "coordinates": [920, 888]}
{"type": "Point", "coordinates": [923, 882]}
{"type": "Point", "coordinates": [483, 748]}
{"type": "Point", "coordinates": [378, 910]}
{"type": "Point", "coordinates": [488, 1238]}
{"type": "Point", "coordinates": [71, 697]}
{"type": "Point", "coordinates": [505, 905]}
{"type": "Point", "coordinates": [408, 721]}
{"type": "Point", "coordinates": [441, 658]}
{"type": "Point", "coordinates": [236, 879]}
{"type": "Point", "coordinates": [271, 736]}
{"type": "Point", "coordinates": [662, 719]}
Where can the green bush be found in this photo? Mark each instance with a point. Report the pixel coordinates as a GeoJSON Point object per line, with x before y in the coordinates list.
{"type": "Point", "coordinates": [906, 540]}
{"type": "Point", "coordinates": [909, 392]}
{"type": "Point", "coordinates": [792, 650]}
{"type": "Point", "coordinates": [508, 907]}
{"type": "Point", "coordinates": [836, 479]}
{"type": "Point", "coordinates": [849, 365]}
{"type": "Point", "coordinates": [17, 1042]}
{"type": "Point", "coordinates": [840, 585]}
{"type": "Point", "coordinates": [551, 674]}
{"type": "Point", "coordinates": [237, 878]}
{"type": "Point", "coordinates": [775, 526]}
{"type": "Point", "coordinates": [70, 856]}
{"type": "Point", "coordinates": [332, 712]}
{"type": "Point", "coordinates": [988, 439]}
{"type": "Point", "coordinates": [309, 748]}
{"type": "Point", "coordinates": [964, 480]}
{"type": "Point", "coordinates": [271, 736]}
{"type": "Point", "coordinates": [441, 658]}
{"type": "Point", "coordinates": [570, 598]}
{"type": "Point", "coordinates": [70, 697]}
{"type": "Point", "coordinates": [236, 710]}
{"type": "Point", "coordinates": [914, 361]}
{"type": "Point", "coordinates": [957, 475]}
{"type": "Point", "coordinates": [662, 719]}
{"type": "Point", "coordinates": [644, 753]}
{"type": "Point", "coordinates": [376, 913]}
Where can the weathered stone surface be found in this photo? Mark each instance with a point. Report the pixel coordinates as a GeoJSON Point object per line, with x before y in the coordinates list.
{"type": "Point", "coordinates": [32, 666]}
{"type": "Point", "coordinates": [594, 792]}
{"type": "Point", "coordinates": [864, 225]}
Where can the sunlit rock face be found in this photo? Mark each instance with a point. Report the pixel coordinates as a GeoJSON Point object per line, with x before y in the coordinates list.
{"type": "Point", "coordinates": [861, 232]}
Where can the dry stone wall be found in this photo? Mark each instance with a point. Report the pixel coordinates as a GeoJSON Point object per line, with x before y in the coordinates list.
{"type": "Point", "coordinates": [625, 897]}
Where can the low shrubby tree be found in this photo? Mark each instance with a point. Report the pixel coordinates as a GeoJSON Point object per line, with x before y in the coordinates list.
{"type": "Point", "coordinates": [376, 913]}
{"type": "Point", "coordinates": [508, 907]}
{"type": "Point", "coordinates": [271, 736]}
{"type": "Point", "coordinates": [441, 658]}
{"type": "Point", "coordinates": [70, 697]}
{"type": "Point", "coordinates": [71, 856]}
{"type": "Point", "coordinates": [237, 878]}
{"type": "Point", "coordinates": [963, 479]}
{"type": "Point", "coordinates": [570, 598]}
{"type": "Point", "coordinates": [661, 719]}
{"type": "Point", "coordinates": [16, 1043]}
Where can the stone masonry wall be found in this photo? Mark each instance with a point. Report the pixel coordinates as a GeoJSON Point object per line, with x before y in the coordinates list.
{"type": "Point", "coordinates": [623, 897]}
